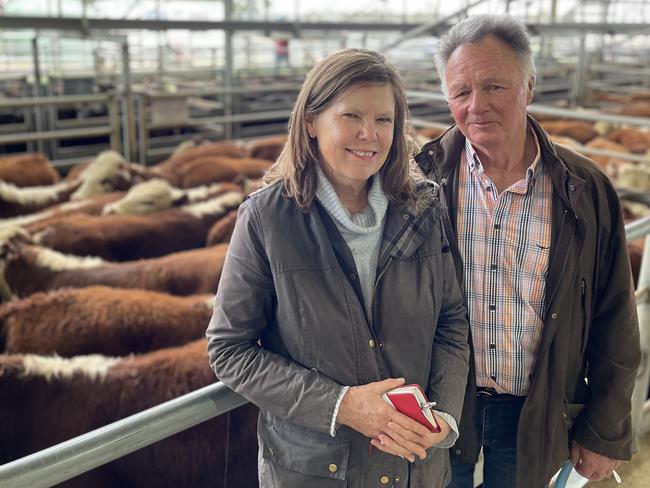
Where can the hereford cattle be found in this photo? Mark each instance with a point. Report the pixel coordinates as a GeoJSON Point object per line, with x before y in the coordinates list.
{"type": "Point", "coordinates": [268, 148]}
{"type": "Point", "coordinates": [27, 269]}
{"type": "Point", "coordinates": [579, 130]}
{"type": "Point", "coordinates": [222, 230]}
{"type": "Point", "coordinates": [129, 237]}
{"type": "Point", "coordinates": [211, 169]}
{"type": "Point", "coordinates": [634, 176]}
{"type": "Point", "coordinates": [565, 141]}
{"type": "Point", "coordinates": [634, 140]}
{"type": "Point", "coordinates": [101, 320]}
{"type": "Point", "coordinates": [106, 173]}
{"type": "Point", "coordinates": [48, 400]}
{"type": "Point", "coordinates": [431, 132]}
{"type": "Point", "coordinates": [635, 248]}
{"type": "Point", "coordinates": [28, 170]}
{"type": "Point", "coordinates": [157, 194]}
{"type": "Point", "coordinates": [609, 164]}
{"type": "Point", "coordinates": [210, 150]}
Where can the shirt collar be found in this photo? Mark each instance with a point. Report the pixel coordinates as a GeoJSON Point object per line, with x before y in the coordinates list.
{"type": "Point", "coordinates": [532, 173]}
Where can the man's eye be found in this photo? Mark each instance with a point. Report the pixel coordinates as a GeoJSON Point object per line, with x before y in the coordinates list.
{"type": "Point", "coordinates": [351, 116]}
{"type": "Point", "coordinates": [384, 120]}
{"type": "Point", "coordinates": [461, 94]}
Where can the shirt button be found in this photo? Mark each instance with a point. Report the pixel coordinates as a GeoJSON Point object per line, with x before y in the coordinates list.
{"type": "Point", "coordinates": [493, 346]}
{"type": "Point", "coordinates": [493, 377]}
{"type": "Point", "coordinates": [492, 307]}
{"type": "Point", "coordinates": [497, 226]}
{"type": "Point", "coordinates": [371, 343]}
{"type": "Point", "coordinates": [384, 480]}
{"type": "Point", "coordinates": [488, 188]}
{"type": "Point", "coordinates": [493, 266]}
{"type": "Point", "coordinates": [553, 315]}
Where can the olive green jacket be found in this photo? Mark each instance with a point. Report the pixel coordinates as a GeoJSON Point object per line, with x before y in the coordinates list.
{"type": "Point", "coordinates": [583, 376]}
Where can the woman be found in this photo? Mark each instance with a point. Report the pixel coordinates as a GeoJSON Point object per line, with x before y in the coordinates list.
{"type": "Point", "coordinates": [339, 286]}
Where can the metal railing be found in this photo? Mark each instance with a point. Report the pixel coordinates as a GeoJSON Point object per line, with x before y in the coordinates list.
{"type": "Point", "coordinates": [81, 454]}
{"type": "Point", "coordinates": [37, 104]}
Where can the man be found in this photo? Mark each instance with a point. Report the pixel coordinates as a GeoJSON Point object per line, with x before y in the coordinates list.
{"type": "Point", "coordinates": [539, 232]}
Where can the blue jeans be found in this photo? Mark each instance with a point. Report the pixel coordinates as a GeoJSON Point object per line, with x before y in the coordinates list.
{"type": "Point", "coordinates": [496, 424]}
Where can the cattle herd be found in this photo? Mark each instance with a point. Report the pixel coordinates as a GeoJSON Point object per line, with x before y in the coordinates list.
{"type": "Point", "coordinates": [107, 277]}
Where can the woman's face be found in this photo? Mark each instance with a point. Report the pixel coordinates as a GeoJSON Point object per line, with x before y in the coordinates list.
{"type": "Point", "coordinates": [355, 133]}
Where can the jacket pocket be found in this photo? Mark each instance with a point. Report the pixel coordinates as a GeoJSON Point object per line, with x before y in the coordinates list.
{"type": "Point", "coordinates": [571, 413]}
{"type": "Point", "coordinates": [583, 309]}
{"type": "Point", "coordinates": [303, 450]}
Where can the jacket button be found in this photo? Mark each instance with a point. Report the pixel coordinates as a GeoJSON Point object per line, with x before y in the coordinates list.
{"type": "Point", "coordinates": [430, 153]}
{"type": "Point", "coordinates": [564, 414]}
{"type": "Point", "coordinates": [371, 343]}
{"type": "Point", "coordinates": [443, 181]}
{"type": "Point", "coordinates": [572, 187]}
{"type": "Point", "coordinates": [270, 452]}
{"type": "Point", "coordinates": [553, 315]}
{"type": "Point", "coordinates": [333, 468]}
{"type": "Point", "coordinates": [458, 452]}
{"type": "Point", "coordinates": [384, 480]}
{"type": "Point", "coordinates": [397, 479]}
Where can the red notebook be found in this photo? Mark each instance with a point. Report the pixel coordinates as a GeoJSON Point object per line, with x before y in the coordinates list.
{"type": "Point", "coordinates": [411, 400]}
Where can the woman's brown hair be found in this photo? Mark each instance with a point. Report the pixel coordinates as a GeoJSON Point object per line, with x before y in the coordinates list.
{"type": "Point", "coordinates": [296, 165]}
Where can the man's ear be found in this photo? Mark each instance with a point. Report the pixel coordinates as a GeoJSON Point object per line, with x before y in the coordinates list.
{"type": "Point", "coordinates": [531, 89]}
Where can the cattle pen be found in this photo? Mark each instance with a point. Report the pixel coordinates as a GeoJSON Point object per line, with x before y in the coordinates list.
{"type": "Point", "coordinates": [131, 136]}
{"type": "Point", "coordinates": [81, 454]}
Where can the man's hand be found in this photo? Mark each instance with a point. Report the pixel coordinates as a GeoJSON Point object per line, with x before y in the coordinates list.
{"type": "Point", "coordinates": [363, 409]}
{"type": "Point", "coordinates": [591, 465]}
{"type": "Point", "coordinates": [410, 433]}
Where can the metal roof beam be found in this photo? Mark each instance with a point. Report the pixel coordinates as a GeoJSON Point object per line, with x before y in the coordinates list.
{"type": "Point", "coordinates": [84, 25]}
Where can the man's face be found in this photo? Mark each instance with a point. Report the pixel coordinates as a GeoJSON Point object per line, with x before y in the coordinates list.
{"type": "Point", "coordinates": [487, 94]}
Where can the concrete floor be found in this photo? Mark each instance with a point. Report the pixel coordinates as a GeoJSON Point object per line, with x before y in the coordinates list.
{"type": "Point", "coordinates": [635, 474]}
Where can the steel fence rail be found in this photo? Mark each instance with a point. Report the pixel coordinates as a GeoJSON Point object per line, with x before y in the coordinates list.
{"type": "Point", "coordinates": [76, 456]}
{"type": "Point", "coordinates": [591, 115]}
{"type": "Point", "coordinates": [81, 454]}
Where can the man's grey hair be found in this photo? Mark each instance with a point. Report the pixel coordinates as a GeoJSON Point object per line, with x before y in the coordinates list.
{"type": "Point", "coordinates": [473, 29]}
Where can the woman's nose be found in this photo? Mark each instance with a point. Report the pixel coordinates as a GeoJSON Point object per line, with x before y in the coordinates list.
{"type": "Point", "coordinates": [368, 131]}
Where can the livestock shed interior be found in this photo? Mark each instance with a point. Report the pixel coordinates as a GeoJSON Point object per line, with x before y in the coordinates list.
{"type": "Point", "coordinates": [130, 133]}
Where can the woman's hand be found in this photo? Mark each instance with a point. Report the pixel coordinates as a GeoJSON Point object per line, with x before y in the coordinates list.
{"type": "Point", "coordinates": [364, 410]}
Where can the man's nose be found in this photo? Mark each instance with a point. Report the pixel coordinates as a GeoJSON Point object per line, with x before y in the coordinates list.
{"type": "Point", "coordinates": [478, 102]}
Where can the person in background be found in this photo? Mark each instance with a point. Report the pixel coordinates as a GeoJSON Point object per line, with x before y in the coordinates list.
{"type": "Point", "coordinates": [339, 286]}
{"type": "Point", "coordinates": [545, 268]}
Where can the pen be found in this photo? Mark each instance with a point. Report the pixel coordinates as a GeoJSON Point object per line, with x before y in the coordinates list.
{"type": "Point", "coordinates": [424, 406]}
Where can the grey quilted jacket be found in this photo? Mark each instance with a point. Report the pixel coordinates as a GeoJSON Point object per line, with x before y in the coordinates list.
{"type": "Point", "coordinates": [289, 331]}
